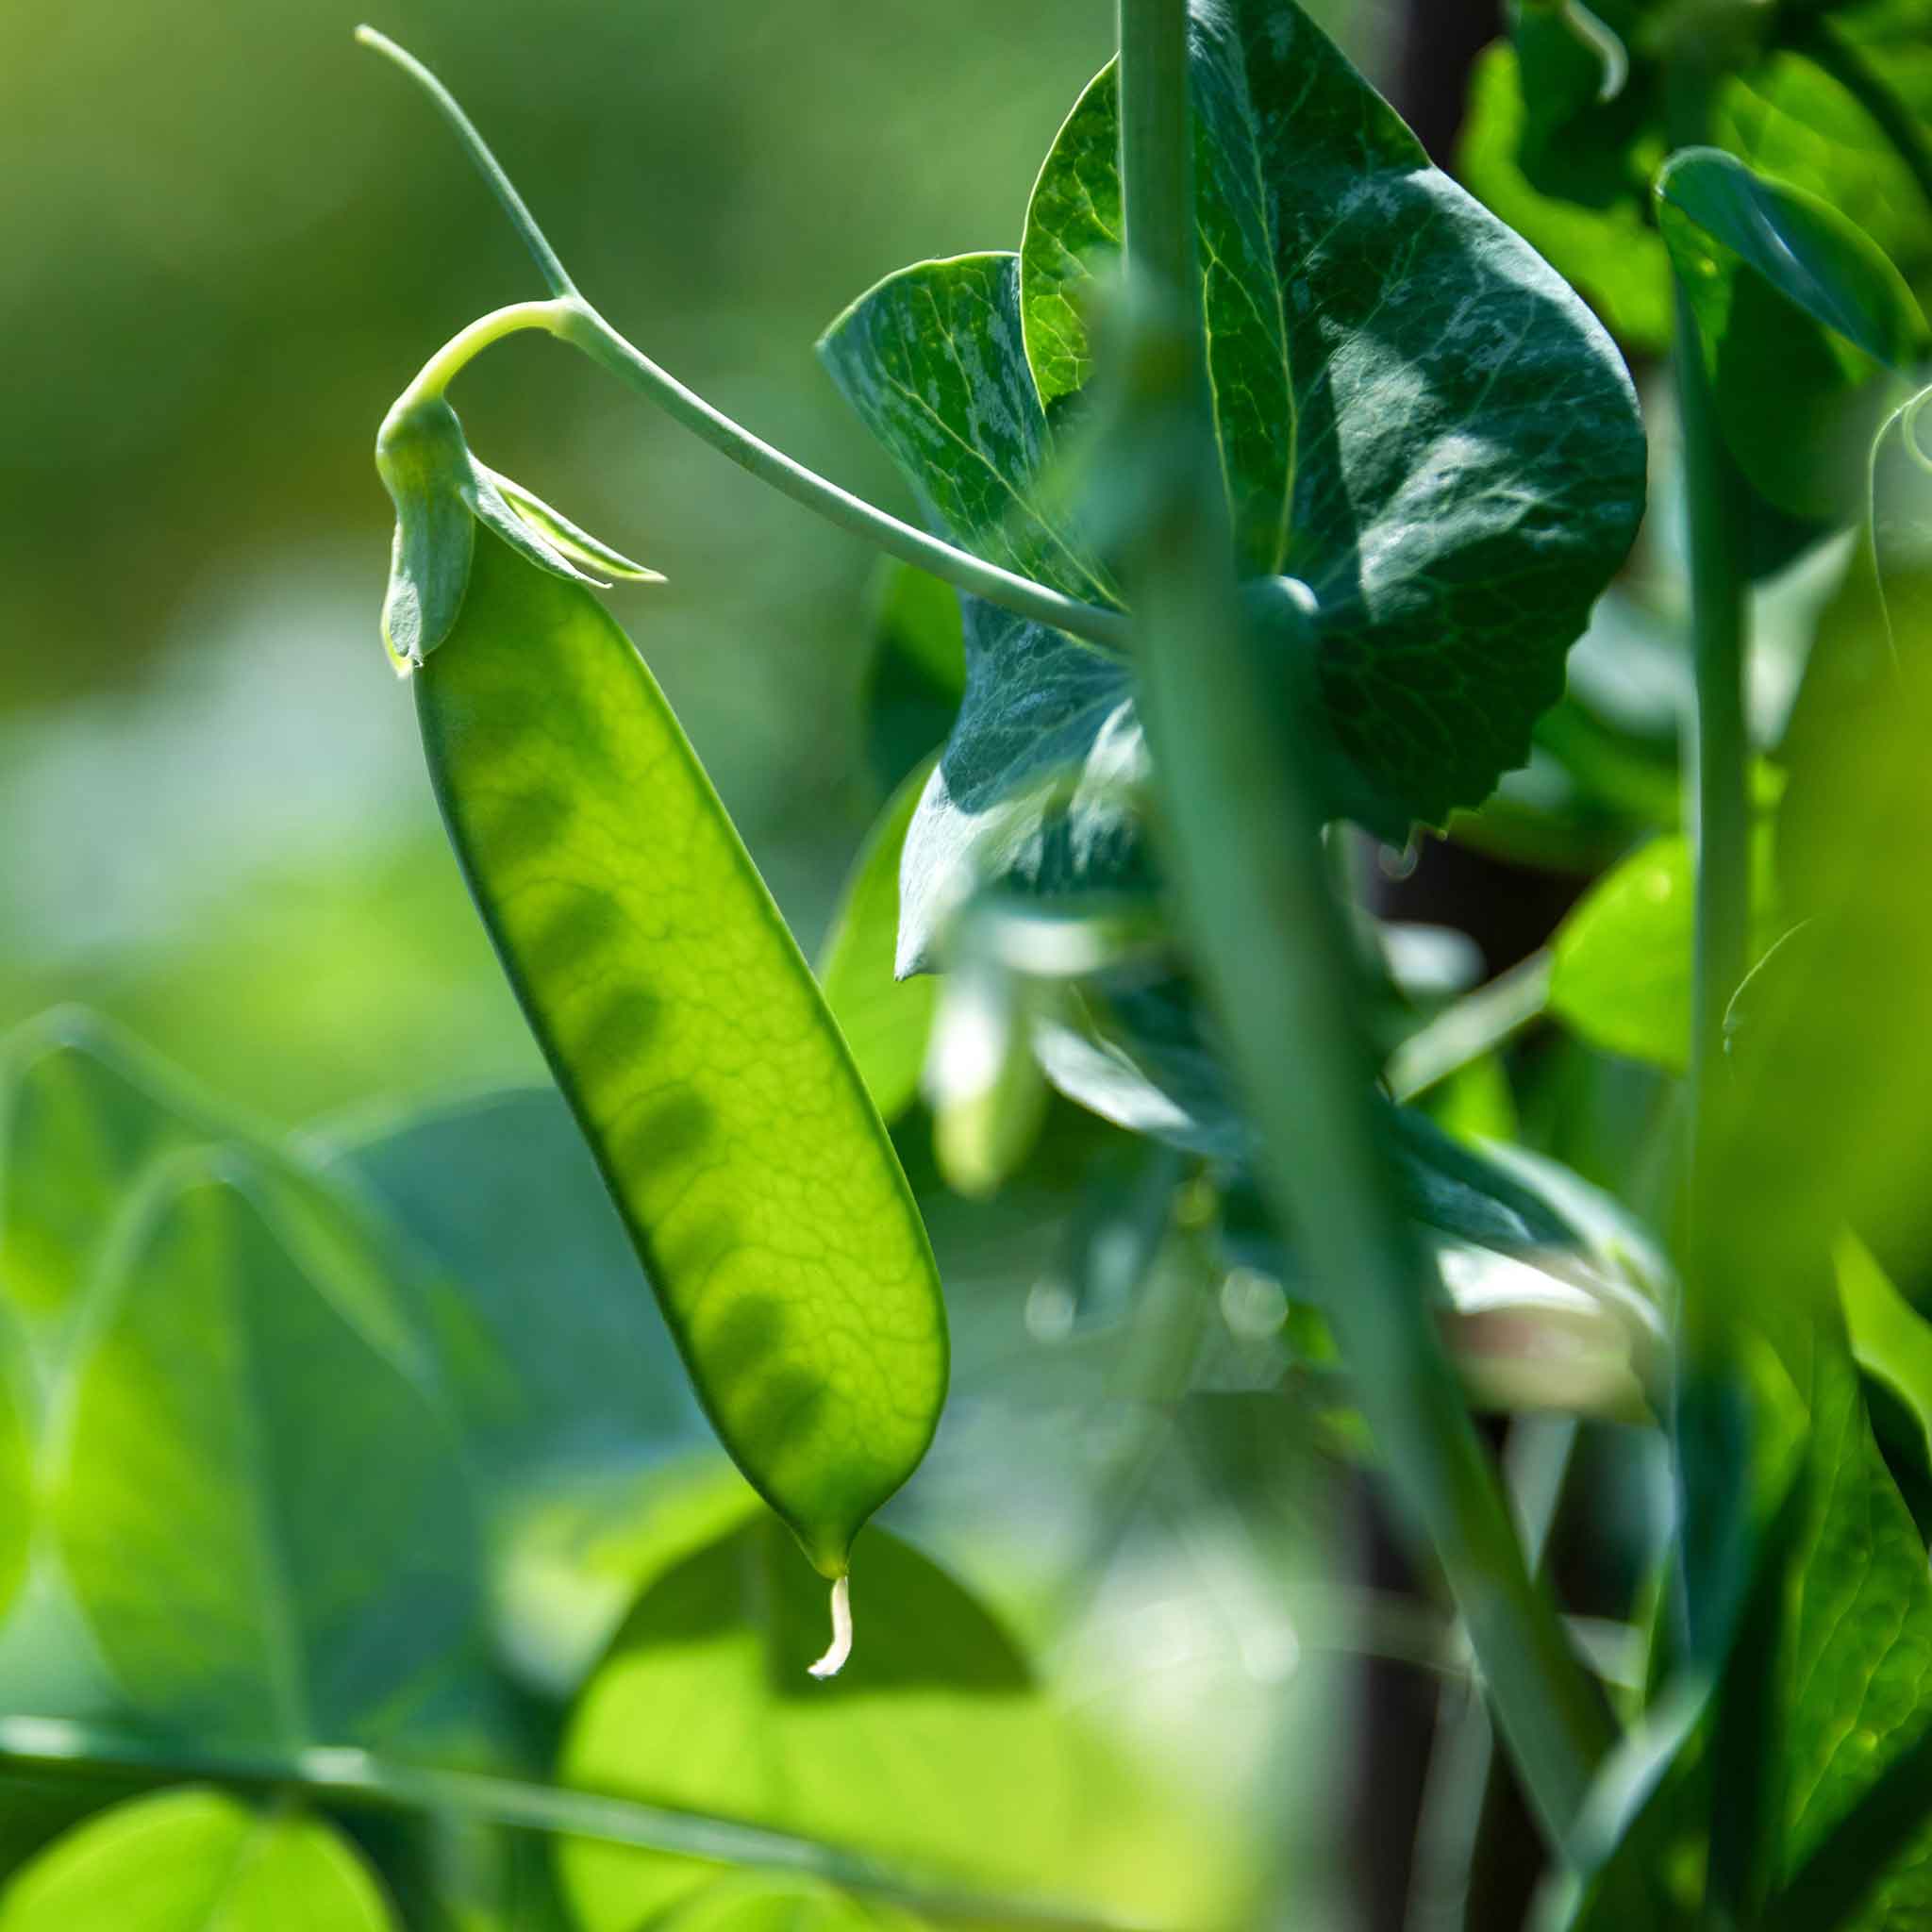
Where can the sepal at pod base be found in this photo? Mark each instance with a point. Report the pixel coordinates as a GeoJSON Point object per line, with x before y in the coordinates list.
{"type": "Point", "coordinates": [440, 493]}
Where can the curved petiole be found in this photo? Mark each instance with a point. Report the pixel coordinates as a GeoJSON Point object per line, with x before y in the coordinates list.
{"type": "Point", "coordinates": [568, 317]}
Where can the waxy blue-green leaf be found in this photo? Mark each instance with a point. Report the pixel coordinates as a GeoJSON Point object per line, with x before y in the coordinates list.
{"type": "Point", "coordinates": [1799, 316]}
{"type": "Point", "coordinates": [197, 1861]}
{"type": "Point", "coordinates": [257, 1494]}
{"type": "Point", "coordinates": [1036, 782]}
{"type": "Point", "coordinates": [886, 1020]}
{"type": "Point", "coordinates": [1416, 418]}
{"type": "Point", "coordinates": [723, 1107]}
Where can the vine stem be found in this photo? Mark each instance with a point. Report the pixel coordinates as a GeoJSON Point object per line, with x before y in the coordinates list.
{"type": "Point", "coordinates": [573, 320]}
{"type": "Point", "coordinates": [357, 1779]}
{"type": "Point", "coordinates": [1242, 834]}
{"type": "Point", "coordinates": [1711, 1419]}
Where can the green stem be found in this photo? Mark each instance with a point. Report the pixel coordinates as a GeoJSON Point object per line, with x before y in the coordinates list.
{"type": "Point", "coordinates": [556, 277]}
{"type": "Point", "coordinates": [1476, 1025]}
{"type": "Point", "coordinates": [1826, 44]}
{"type": "Point", "coordinates": [463, 348]}
{"type": "Point", "coordinates": [588, 331]}
{"type": "Point", "coordinates": [354, 1779]}
{"type": "Point", "coordinates": [573, 320]}
{"type": "Point", "coordinates": [1244, 841]}
{"type": "Point", "coordinates": [1723, 747]}
{"type": "Point", "coordinates": [1711, 1423]}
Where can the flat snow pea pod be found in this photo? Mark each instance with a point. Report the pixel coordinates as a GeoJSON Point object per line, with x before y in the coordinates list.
{"type": "Point", "coordinates": [691, 1040]}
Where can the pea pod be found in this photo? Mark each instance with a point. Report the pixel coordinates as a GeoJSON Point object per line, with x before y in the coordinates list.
{"type": "Point", "coordinates": [687, 1032]}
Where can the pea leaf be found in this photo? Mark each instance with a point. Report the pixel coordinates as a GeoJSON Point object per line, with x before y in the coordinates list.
{"type": "Point", "coordinates": [189, 1859]}
{"type": "Point", "coordinates": [886, 1020]}
{"type": "Point", "coordinates": [936, 1750]}
{"type": "Point", "coordinates": [1622, 970]}
{"type": "Point", "coordinates": [257, 1496]}
{"type": "Point", "coordinates": [501, 1195]}
{"type": "Point", "coordinates": [1581, 201]}
{"type": "Point", "coordinates": [1415, 417]}
{"type": "Point", "coordinates": [1799, 317]}
{"type": "Point", "coordinates": [1815, 102]}
{"type": "Point", "coordinates": [86, 1113]}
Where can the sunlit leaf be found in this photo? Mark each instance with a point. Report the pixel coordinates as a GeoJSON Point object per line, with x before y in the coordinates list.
{"type": "Point", "coordinates": [1416, 418]}
{"type": "Point", "coordinates": [256, 1491]}
{"type": "Point", "coordinates": [191, 1860]}
{"type": "Point", "coordinates": [935, 1749]}
{"type": "Point", "coordinates": [1800, 317]}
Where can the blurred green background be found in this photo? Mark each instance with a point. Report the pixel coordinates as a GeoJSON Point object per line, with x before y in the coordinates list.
{"type": "Point", "coordinates": [229, 238]}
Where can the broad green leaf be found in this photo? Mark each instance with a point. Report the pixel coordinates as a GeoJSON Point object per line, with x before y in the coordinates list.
{"type": "Point", "coordinates": [572, 1559]}
{"type": "Point", "coordinates": [1622, 974]}
{"type": "Point", "coordinates": [1582, 204]}
{"type": "Point", "coordinates": [1573, 172]}
{"type": "Point", "coordinates": [500, 1194]}
{"type": "Point", "coordinates": [1800, 318]}
{"type": "Point", "coordinates": [916, 675]}
{"type": "Point", "coordinates": [884, 1020]}
{"type": "Point", "coordinates": [197, 1861]}
{"type": "Point", "coordinates": [936, 1750]}
{"type": "Point", "coordinates": [86, 1114]}
{"type": "Point", "coordinates": [723, 1107]}
{"type": "Point", "coordinates": [256, 1492]}
{"type": "Point", "coordinates": [1861, 1645]}
{"type": "Point", "coordinates": [1398, 379]}
{"type": "Point", "coordinates": [954, 402]}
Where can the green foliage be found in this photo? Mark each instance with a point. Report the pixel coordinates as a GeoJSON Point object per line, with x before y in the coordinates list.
{"type": "Point", "coordinates": [246, 1369]}
{"type": "Point", "coordinates": [356, 1468]}
{"type": "Point", "coordinates": [562, 1364]}
{"type": "Point", "coordinates": [188, 1859]}
{"type": "Point", "coordinates": [935, 1748]}
{"type": "Point", "coordinates": [1623, 966]}
{"type": "Point", "coordinates": [886, 1020]}
{"type": "Point", "coordinates": [723, 1109]}
{"type": "Point", "coordinates": [1792, 304]}
{"type": "Point", "coordinates": [1821, 100]}
{"type": "Point", "coordinates": [1393, 482]}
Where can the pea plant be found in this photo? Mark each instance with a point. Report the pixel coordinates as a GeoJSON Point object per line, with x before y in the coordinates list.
{"type": "Point", "coordinates": [461, 1518]}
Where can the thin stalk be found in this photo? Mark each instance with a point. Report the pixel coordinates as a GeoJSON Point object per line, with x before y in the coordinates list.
{"type": "Point", "coordinates": [1243, 840]}
{"type": "Point", "coordinates": [1476, 1025]}
{"type": "Point", "coordinates": [1711, 1423]}
{"type": "Point", "coordinates": [556, 277]}
{"type": "Point", "coordinates": [573, 320]}
{"type": "Point", "coordinates": [588, 331]}
{"type": "Point", "coordinates": [356, 1779]}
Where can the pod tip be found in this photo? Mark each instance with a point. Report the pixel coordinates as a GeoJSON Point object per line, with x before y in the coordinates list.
{"type": "Point", "coordinates": [834, 1659]}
